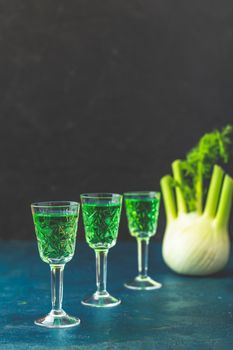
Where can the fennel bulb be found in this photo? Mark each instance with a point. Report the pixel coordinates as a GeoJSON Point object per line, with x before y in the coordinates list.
{"type": "Point", "coordinates": [194, 245]}
{"type": "Point", "coordinates": [196, 239]}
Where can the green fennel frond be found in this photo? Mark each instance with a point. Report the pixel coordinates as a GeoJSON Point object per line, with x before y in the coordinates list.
{"type": "Point", "coordinates": [212, 148]}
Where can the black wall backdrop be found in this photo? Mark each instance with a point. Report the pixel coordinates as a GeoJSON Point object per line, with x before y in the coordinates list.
{"type": "Point", "coordinates": [103, 95]}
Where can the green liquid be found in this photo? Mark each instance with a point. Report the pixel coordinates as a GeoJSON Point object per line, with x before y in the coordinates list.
{"type": "Point", "coordinates": [101, 223]}
{"type": "Point", "coordinates": [56, 236]}
{"type": "Point", "coordinates": [142, 215]}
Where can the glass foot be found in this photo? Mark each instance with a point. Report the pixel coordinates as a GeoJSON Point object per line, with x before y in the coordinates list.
{"type": "Point", "coordinates": [58, 319]}
{"type": "Point", "coordinates": [143, 283]}
{"type": "Point", "coordinates": [101, 300]}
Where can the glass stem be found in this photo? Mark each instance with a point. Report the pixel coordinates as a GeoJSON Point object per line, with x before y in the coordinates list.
{"type": "Point", "coordinates": [143, 247]}
{"type": "Point", "coordinates": [57, 287]}
{"type": "Point", "coordinates": [101, 270]}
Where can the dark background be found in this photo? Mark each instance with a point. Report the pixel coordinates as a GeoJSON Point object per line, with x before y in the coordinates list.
{"type": "Point", "coordinates": [104, 95]}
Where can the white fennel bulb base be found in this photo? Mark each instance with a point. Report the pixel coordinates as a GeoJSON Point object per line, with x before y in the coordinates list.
{"type": "Point", "coordinates": [195, 245]}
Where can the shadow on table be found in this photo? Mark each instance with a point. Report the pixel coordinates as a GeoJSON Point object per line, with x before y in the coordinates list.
{"type": "Point", "coordinates": [227, 273]}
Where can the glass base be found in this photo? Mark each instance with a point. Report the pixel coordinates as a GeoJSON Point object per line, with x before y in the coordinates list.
{"type": "Point", "coordinates": [101, 300]}
{"type": "Point", "coordinates": [143, 283]}
{"type": "Point", "coordinates": [57, 319]}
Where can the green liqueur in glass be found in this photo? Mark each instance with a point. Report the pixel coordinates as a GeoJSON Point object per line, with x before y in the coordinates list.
{"type": "Point", "coordinates": [56, 227]}
{"type": "Point", "coordinates": [142, 214]}
{"type": "Point", "coordinates": [142, 211]}
{"type": "Point", "coordinates": [56, 235]}
{"type": "Point", "coordinates": [101, 224]}
{"type": "Point", "coordinates": [101, 217]}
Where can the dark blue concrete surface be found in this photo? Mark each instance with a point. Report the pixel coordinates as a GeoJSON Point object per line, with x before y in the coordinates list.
{"type": "Point", "coordinates": [187, 313]}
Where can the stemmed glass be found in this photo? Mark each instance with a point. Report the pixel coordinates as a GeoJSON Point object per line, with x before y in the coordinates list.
{"type": "Point", "coordinates": [142, 210]}
{"type": "Point", "coordinates": [56, 227]}
{"type": "Point", "coordinates": [101, 217]}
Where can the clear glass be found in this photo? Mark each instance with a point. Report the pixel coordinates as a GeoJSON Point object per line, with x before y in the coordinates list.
{"type": "Point", "coordinates": [142, 211]}
{"type": "Point", "coordinates": [101, 217]}
{"type": "Point", "coordinates": [56, 226]}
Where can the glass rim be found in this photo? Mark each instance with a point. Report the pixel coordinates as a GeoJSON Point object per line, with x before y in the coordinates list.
{"type": "Point", "coordinates": [100, 195]}
{"type": "Point", "coordinates": [54, 204]}
{"type": "Point", "coordinates": [156, 194]}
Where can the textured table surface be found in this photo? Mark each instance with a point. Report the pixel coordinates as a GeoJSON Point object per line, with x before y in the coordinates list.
{"type": "Point", "coordinates": [187, 313]}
